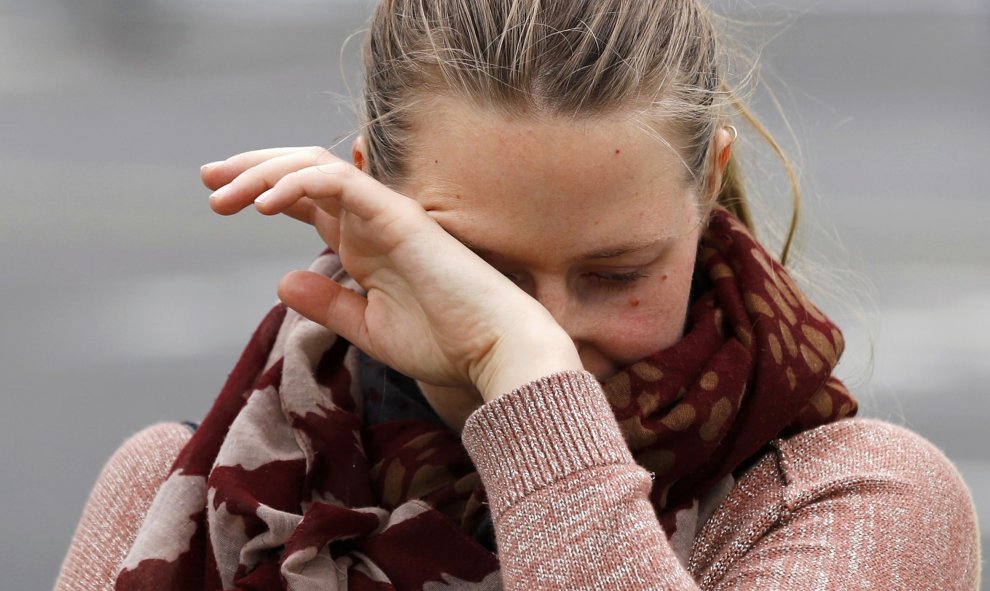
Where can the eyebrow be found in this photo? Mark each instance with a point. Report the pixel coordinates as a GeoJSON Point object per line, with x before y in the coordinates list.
{"type": "Point", "coordinates": [622, 249]}
{"type": "Point", "coordinates": [608, 253]}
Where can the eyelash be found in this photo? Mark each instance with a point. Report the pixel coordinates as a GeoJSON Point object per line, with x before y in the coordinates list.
{"type": "Point", "coordinates": [605, 281]}
{"type": "Point", "coordinates": [618, 281]}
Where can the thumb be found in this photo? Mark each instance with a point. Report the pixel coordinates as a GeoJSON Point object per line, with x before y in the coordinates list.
{"type": "Point", "coordinates": [326, 302]}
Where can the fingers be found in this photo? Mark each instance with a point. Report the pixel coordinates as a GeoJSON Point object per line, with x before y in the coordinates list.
{"type": "Point", "coordinates": [326, 302]}
{"type": "Point", "coordinates": [241, 178]}
{"type": "Point", "coordinates": [217, 174]}
{"type": "Point", "coordinates": [332, 187]}
{"type": "Point", "coordinates": [327, 227]}
{"type": "Point", "coordinates": [304, 211]}
{"type": "Point", "coordinates": [300, 182]}
{"type": "Point", "coordinates": [322, 184]}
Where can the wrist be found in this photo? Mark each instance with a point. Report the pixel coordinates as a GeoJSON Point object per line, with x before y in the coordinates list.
{"type": "Point", "coordinates": [525, 358]}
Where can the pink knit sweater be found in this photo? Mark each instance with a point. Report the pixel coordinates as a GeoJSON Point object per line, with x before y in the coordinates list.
{"type": "Point", "coordinates": [858, 504]}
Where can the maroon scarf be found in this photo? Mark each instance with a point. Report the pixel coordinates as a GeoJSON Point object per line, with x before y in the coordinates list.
{"type": "Point", "coordinates": [284, 487]}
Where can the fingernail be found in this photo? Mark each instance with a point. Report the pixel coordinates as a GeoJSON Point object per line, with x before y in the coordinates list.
{"type": "Point", "coordinates": [221, 192]}
{"type": "Point", "coordinates": [263, 197]}
{"type": "Point", "coordinates": [210, 165]}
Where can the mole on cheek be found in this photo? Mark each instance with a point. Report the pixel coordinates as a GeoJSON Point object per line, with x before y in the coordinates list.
{"type": "Point", "coordinates": [617, 151]}
{"type": "Point", "coordinates": [634, 302]}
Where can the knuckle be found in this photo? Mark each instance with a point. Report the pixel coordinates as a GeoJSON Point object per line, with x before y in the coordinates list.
{"type": "Point", "coordinates": [257, 180]}
{"type": "Point", "coordinates": [319, 154]}
{"type": "Point", "coordinates": [337, 168]}
{"type": "Point", "coordinates": [410, 207]}
{"type": "Point", "coordinates": [294, 178]}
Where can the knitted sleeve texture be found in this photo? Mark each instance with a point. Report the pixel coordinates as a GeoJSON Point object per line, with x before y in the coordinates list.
{"type": "Point", "coordinates": [117, 506]}
{"type": "Point", "coordinates": [858, 504]}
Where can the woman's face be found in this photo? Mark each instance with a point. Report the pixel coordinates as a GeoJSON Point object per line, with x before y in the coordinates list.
{"type": "Point", "coordinates": [595, 220]}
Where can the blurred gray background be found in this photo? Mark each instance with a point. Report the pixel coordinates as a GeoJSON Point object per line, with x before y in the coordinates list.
{"type": "Point", "coordinates": [125, 301]}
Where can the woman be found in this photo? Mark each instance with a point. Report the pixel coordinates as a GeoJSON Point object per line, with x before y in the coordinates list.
{"type": "Point", "coordinates": [544, 349]}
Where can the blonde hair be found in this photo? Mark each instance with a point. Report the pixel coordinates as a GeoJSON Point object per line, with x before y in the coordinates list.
{"type": "Point", "coordinates": [562, 58]}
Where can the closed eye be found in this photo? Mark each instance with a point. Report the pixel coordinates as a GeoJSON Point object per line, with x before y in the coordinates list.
{"type": "Point", "coordinates": [617, 281]}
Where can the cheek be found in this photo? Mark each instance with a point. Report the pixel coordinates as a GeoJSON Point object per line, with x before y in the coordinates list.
{"type": "Point", "coordinates": [640, 331]}
{"type": "Point", "coordinates": [645, 321]}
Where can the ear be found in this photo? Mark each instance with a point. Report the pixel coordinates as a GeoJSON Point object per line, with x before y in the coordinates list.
{"type": "Point", "coordinates": [721, 152]}
{"type": "Point", "coordinates": [359, 153]}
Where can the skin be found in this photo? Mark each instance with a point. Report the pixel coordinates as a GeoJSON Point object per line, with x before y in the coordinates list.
{"type": "Point", "coordinates": [502, 265]}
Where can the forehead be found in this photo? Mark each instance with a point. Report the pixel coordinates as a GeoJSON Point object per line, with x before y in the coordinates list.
{"type": "Point", "coordinates": [552, 186]}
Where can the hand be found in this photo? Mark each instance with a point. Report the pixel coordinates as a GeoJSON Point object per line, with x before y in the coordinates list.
{"type": "Point", "coordinates": [268, 167]}
{"type": "Point", "coordinates": [434, 310]}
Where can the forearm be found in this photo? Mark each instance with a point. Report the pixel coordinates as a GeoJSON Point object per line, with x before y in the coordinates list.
{"type": "Point", "coordinates": [570, 506]}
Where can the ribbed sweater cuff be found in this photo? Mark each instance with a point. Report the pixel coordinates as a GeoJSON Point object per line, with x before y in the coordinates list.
{"type": "Point", "coordinates": [540, 433]}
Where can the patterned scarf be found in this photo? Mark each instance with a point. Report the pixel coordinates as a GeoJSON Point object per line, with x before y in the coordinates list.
{"type": "Point", "coordinates": [286, 485]}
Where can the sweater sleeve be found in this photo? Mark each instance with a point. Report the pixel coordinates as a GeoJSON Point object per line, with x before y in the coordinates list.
{"type": "Point", "coordinates": [569, 503]}
{"type": "Point", "coordinates": [124, 491]}
{"type": "Point", "coordinates": [852, 505]}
